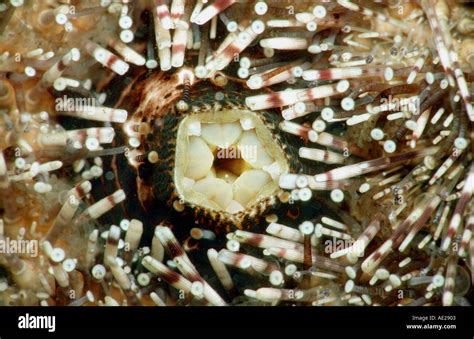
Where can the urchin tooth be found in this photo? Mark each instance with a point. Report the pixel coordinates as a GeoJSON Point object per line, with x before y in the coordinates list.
{"type": "Point", "coordinates": [274, 170]}
{"type": "Point", "coordinates": [211, 173]}
{"type": "Point", "coordinates": [188, 183]}
{"type": "Point", "coordinates": [199, 158]}
{"type": "Point", "coordinates": [215, 190]}
{"type": "Point", "coordinates": [247, 124]}
{"type": "Point", "coordinates": [249, 184]}
{"type": "Point", "coordinates": [253, 151]}
{"type": "Point", "coordinates": [234, 207]}
{"type": "Point", "coordinates": [194, 128]}
{"type": "Point", "coordinates": [221, 135]}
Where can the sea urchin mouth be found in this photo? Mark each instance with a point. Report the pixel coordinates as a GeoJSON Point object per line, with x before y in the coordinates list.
{"type": "Point", "coordinates": [226, 161]}
{"type": "Point", "coordinates": [215, 159]}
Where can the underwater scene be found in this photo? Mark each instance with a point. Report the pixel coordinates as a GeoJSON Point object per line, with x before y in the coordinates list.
{"type": "Point", "coordinates": [236, 153]}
